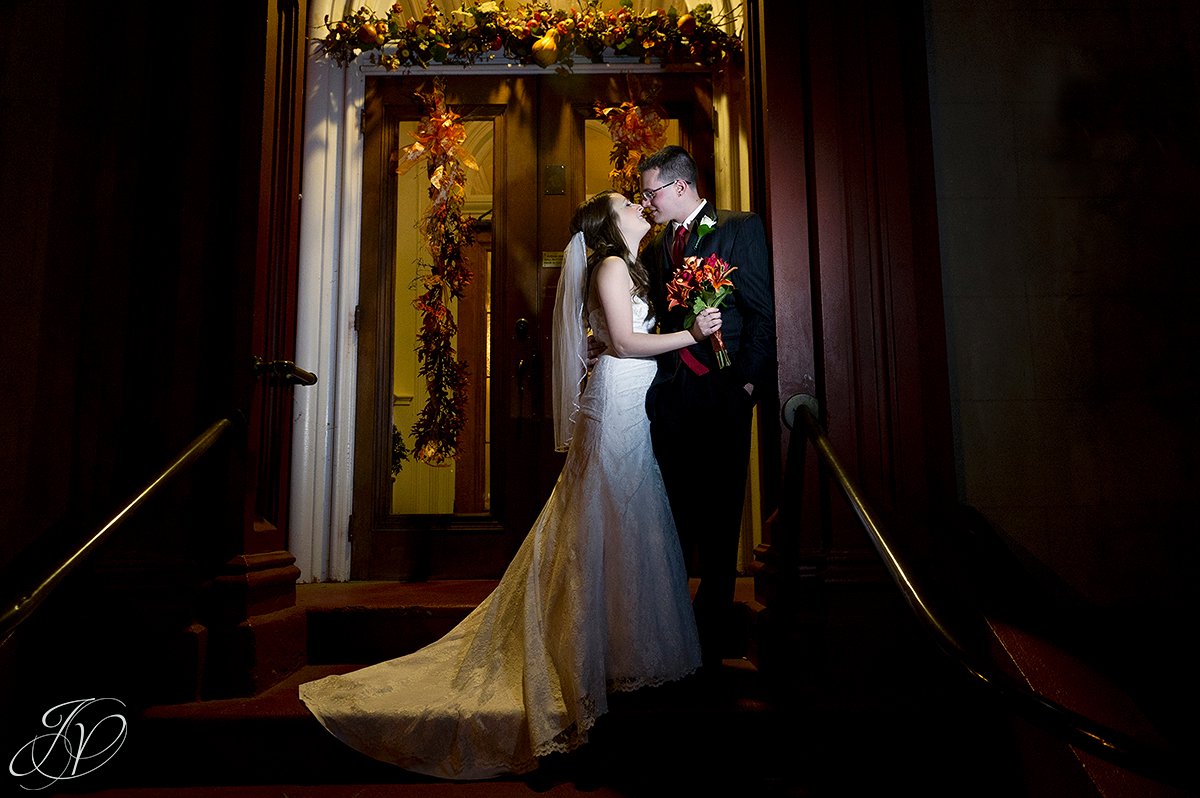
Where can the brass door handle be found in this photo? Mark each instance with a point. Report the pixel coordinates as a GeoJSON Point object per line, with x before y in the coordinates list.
{"type": "Point", "coordinates": [285, 370]}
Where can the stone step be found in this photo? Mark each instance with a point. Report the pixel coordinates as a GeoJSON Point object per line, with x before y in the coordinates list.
{"type": "Point", "coordinates": [372, 621]}
{"type": "Point", "coordinates": [369, 622]}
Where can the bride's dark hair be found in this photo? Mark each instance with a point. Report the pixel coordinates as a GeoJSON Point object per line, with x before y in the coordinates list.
{"type": "Point", "coordinates": [597, 220]}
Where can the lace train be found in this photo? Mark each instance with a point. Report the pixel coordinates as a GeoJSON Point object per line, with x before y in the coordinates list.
{"type": "Point", "coordinates": [595, 601]}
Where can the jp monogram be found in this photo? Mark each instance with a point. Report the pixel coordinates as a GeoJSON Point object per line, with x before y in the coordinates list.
{"type": "Point", "coordinates": [83, 735]}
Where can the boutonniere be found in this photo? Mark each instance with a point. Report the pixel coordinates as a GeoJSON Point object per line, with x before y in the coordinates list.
{"type": "Point", "coordinates": [706, 226]}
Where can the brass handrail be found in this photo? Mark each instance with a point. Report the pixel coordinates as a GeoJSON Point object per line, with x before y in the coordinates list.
{"type": "Point", "coordinates": [19, 610]}
{"type": "Point", "coordinates": [1111, 744]}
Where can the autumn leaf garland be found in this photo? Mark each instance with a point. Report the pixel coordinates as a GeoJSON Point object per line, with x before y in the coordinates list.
{"type": "Point", "coordinates": [440, 137]}
{"type": "Point", "coordinates": [637, 129]}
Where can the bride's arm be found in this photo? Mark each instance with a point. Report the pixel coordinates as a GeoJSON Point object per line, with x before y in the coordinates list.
{"type": "Point", "coordinates": [613, 285]}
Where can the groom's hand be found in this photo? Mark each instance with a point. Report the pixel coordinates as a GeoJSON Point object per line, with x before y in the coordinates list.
{"type": "Point", "coordinates": [594, 350]}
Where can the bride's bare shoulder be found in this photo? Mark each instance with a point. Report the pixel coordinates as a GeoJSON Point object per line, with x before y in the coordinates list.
{"type": "Point", "coordinates": [612, 268]}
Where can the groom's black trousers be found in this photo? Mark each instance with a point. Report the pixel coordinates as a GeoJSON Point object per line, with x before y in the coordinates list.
{"type": "Point", "coordinates": [700, 427]}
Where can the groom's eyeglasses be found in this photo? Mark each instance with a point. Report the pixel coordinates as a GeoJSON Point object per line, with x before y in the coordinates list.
{"type": "Point", "coordinates": [648, 194]}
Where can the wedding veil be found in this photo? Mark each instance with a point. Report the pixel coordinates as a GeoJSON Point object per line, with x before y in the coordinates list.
{"type": "Point", "coordinates": [569, 341]}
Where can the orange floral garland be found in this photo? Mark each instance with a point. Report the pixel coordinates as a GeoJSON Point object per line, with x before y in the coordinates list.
{"type": "Point", "coordinates": [439, 139]}
{"type": "Point", "coordinates": [637, 130]}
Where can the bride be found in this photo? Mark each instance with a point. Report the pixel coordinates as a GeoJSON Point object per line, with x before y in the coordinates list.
{"type": "Point", "coordinates": [596, 599]}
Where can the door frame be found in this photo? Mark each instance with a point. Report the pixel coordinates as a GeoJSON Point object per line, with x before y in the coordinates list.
{"type": "Point", "coordinates": [329, 287]}
{"type": "Point", "coordinates": [408, 546]}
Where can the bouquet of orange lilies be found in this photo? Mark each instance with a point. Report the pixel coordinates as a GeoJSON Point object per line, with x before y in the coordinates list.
{"type": "Point", "coordinates": [698, 284]}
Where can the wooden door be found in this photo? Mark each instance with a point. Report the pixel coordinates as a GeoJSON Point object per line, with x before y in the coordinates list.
{"type": "Point", "coordinates": [541, 145]}
{"type": "Point", "coordinates": [573, 141]}
{"type": "Point", "coordinates": [273, 320]}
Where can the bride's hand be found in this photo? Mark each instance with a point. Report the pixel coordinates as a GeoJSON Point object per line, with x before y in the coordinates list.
{"type": "Point", "coordinates": [707, 322]}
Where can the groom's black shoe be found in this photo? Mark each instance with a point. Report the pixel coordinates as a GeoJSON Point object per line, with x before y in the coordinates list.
{"type": "Point", "coordinates": [588, 771]}
{"type": "Point", "coordinates": [582, 768]}
{"type": "Point", "coordinates": [552, 771]}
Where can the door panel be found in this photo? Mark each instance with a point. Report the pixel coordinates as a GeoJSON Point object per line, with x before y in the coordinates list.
{"type": "Point", "coordinates": [273, 322]}
{"type": "Point", "coordinates": [507, 464]}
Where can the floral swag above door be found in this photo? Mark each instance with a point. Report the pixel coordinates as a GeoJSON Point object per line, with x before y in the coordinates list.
{"type": "Point", "coordinates": [531, 34]}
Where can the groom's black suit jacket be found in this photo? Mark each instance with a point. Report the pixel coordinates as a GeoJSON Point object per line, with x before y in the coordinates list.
{"type": "Point", "coordinates": [748, 317]}
{"type": "Point", "coordinates": [700, 425]}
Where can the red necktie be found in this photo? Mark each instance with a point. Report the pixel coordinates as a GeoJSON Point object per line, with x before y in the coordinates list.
{"type": "Point", "coordinates": [679, 245]}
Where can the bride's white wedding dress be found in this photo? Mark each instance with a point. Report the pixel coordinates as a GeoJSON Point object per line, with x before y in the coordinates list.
{"type": "Point", "coordinates": [595, 600]}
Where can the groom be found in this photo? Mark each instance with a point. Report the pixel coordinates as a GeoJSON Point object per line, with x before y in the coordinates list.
{"type": "Point", "coordinates": [700, 414]}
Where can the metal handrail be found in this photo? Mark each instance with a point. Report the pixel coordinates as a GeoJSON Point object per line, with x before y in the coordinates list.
{"type": "Point", "coordinates": [19, 610]}
{"type": "Point", "coordinates": [1091, 735]}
